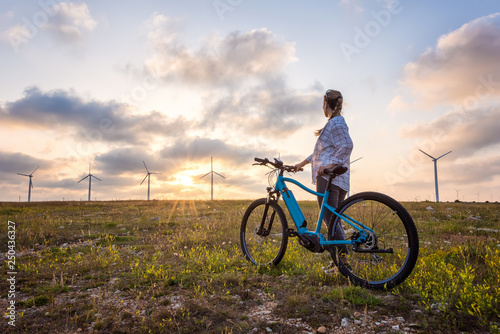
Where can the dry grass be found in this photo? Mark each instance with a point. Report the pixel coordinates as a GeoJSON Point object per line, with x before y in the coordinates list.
{"type": "Point", "coordinates": [177, 267]}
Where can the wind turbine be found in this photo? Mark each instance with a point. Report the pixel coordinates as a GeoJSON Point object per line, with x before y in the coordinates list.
{"type": "Point", "coordinates": [148, 175]}
{"type": "Point", "coordinates": [457, 190]}
{"type": "Point", "coordinates": [435, 171]}
{"type": "Point", "coordinates": [90, 176]}
{"type": "Point", "coordinates": [31, 183]}
{"type": "Point", "coordinates": [212, 177]}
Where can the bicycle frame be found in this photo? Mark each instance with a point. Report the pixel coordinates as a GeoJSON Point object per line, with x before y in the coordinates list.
{"type": "Point", "coordinates": [356, 254]}
{"type": "Point", "coordinates": [299, 219]}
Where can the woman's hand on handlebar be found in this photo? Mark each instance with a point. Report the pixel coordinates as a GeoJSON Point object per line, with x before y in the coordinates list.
{"type": "Point", "coordinates": [300, 166]}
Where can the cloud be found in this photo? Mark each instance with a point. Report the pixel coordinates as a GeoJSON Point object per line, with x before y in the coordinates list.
{"type": "Point", "coordinates": [124, 160]}
{"type": "Point", "coordinates": [398, 104]}
{"type": "Point", "coordinates": [196, 149]}
{"type": "Point", "coordinates": [181, 155]}
{"type": "Point", "coordinates": [460, 66]}
{"type": "Point", "coordinates": [19, 32]}
{"type": "Point", "coordinates": [219, 60]}
{"type": "Point", "coordinates": [462, 72]}
{"type": "Point", "coordinates": [66, 21]}
{"type": "Point", "coordinates": [92, 120]}
{"type": "Point", "coordinates": [467, 133]}
{"type": "Point", "coordinates": [123, 168]}
{"type": "Point", "coordinates": [15, 162]}
{"type": "Point", "coordinates": [266, 111]}
{"type": "Point", "coordinates": [70, 21]}
{"type": "Point", "coordinates": [245, 99]}
{"type": "Point", "coordinates": [246, 89]}
{"type": "Point", "coordinates": [459, 80]}
{"type": "Point", "coordinates": [476, 171]}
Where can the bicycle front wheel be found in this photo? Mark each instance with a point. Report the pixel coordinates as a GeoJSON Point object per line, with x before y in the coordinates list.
{"type": "Point", "coordinates": [263, 234]}
{"type": "Point", "coordinates": [395, 233]}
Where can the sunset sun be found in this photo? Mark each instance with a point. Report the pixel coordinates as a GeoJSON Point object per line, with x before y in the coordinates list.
{"type": "Point", "coordinates": [185, 180]}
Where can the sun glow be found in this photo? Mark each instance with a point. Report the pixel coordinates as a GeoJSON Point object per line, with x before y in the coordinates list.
{"type": "Point", "coordinates": [184, 180]}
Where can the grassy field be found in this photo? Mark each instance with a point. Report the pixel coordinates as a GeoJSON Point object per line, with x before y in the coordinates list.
{"type": "Point", "coordinates": [177, 267]}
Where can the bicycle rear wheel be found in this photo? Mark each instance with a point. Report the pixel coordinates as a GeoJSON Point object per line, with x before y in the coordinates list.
{"type": "Point", "coordinates": [394, 229]}
{"type": "Point", "coordinates": [263, 234]}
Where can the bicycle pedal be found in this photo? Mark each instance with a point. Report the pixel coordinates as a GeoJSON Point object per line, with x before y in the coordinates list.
{"type": "Point", "coordinates": [291, 232]}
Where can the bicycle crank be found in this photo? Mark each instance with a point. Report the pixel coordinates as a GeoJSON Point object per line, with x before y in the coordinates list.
{"type": "Point", "coordinates": [311, 242]}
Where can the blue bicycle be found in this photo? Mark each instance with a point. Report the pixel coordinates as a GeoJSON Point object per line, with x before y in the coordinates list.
{"type": "Point", "coordinates": [371, 238]}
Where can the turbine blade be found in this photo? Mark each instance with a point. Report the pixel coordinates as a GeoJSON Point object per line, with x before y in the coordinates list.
{"type": "Point", "coordinates": [22, 174]}
{"type": "Point", "coordinates": [145, 177]}
{"type": "Point", "coordinates": [145, 166]}
{"type": "Point", "coordinates": [95, 177]}
{"type": "Point", "coordinates": [356, 160]}
{"type": "Point", "coordinates": [83, 178]}
{"type": "Point", "coordinates": [220, 175]}
{"type": "Point", "coordinates": [426, 154]}
{"type": "Point", "coordinates": [443, 155]}
{"type": "Point", "coordinates": [34, 170]}
{"type": "Point", "coordinates": [205, 175]}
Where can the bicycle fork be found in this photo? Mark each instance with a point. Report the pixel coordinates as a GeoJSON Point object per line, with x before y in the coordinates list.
{"type": "Point", "coordinates": [263, 232]}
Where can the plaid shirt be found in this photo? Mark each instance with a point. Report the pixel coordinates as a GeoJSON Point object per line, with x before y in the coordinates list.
{"type": "Point", "coordinates": [333, 146]}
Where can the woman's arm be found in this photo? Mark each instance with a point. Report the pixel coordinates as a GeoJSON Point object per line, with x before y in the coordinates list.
{"type": "Point", "coordinates": [299, 166]}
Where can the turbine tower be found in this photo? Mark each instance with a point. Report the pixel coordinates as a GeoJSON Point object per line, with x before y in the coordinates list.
{"type": "Point", "coordinates": [90, 176]}
{"type": "Point", "coordinates": [212, 178]}
{"type": "Point", "coordinates": [435, 171]}
{"type": "Point", "coordinates": [148, 175]}
{"type": "Point", "coordinates": [31, 183]}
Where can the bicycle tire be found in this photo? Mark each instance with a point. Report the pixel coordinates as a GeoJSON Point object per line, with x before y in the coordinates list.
{"type": "Point", "coordinates": [394, 228]}
{"type": "Point", "coordinates": [268, 248]}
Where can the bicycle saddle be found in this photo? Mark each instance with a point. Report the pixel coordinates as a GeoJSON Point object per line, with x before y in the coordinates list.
{"type": "Point", "coordinates": [339, 170]}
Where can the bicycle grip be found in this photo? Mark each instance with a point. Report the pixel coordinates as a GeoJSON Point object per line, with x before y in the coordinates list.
{"type": "Point", "coordinates": [259, 160]}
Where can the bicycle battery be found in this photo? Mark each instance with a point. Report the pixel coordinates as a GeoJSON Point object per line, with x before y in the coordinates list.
{"type": "Point", "coordinates": [293, 207]}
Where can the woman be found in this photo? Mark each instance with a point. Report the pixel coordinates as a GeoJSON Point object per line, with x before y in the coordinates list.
{"type": "Point", "coordinates": [333, 148]}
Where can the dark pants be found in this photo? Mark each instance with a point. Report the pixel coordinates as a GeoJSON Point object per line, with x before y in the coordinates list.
{"type": "Point", "coordinates": [336, 196]}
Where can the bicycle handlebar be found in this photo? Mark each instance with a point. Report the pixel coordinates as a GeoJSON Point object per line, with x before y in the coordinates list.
{"type": "Point", "coordinates": [338, 170]}
{"type": "Point", "coordinates": [276, 164]}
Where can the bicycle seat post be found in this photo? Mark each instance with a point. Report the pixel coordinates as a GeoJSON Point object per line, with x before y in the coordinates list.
{"type": "Point", "coordinates": [330, 179]}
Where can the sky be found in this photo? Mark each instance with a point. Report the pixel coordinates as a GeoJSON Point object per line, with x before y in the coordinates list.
{"type": "Point", "coordinates": [110, 84]}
